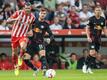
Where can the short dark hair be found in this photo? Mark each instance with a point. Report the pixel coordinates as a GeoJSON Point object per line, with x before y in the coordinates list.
{"type": "Point", "coordinates": [42, 9]}
{"type": "Point", "coordinates": [97, 7]}
{"type": "Point", "coordinates": [85, 5]}
{"type": "Point", "coordinates": [73, 54]}
{"type": "Point", "coordinates": [85, 50]}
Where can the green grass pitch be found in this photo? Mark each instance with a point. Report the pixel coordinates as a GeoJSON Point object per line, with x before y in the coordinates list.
{"type": "Point", "coordinates": [60, 75]}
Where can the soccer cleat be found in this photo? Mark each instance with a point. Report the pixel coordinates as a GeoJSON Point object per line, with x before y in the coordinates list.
{"type": "Point", "coordinates": [20, 61]}
{"type": "Point", "coordinates": [44, 72]}
{"type": "Point", "coordinates": [16, 71]}
{"type": "Point", "coordinates": [84, 69]}
{"type": "Point", "coordinates": [35, 72]}
{"type": "Point", "coordinates": [89, 71]}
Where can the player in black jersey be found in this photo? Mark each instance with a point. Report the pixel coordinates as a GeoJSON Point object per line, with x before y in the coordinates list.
{"type": "Point", "coordinates": [94, 31]}
{"type": "Point", "coordinates": [37, 42]}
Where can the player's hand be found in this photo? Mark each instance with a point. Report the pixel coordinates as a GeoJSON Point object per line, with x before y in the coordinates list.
{"type": "Point", "coordinates": [48, 40]}
{"type": "Point", "coordinates": [89, 39]}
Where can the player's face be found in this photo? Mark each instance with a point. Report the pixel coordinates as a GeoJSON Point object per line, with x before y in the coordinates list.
{"type": "Point", "coordinates": [36, 58]}
{"type": "Point", "coordinates": [93, 52]}
{"type": "Point", "coordinates": [28, 9]}
{"type": "Point", "coordinates": [98, 11]}
{"type": "Point", "coordinates": [42, 14]}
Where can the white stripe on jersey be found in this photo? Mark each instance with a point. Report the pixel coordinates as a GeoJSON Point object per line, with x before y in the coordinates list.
{"type": "Point", "coordinates": [20, 26]}
{"type": "Point", "coordinates": [25, 26]}
{"type": "Point", "coordinates": [16, 26]}
{"type": "Point", "coordinates": [31, 19]}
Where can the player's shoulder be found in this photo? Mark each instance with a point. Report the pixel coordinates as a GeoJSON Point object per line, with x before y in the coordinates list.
{"type": "Point", "coordinates": [21, 11]}
{"type": "Point", "coordinates": [92, 17]}
{"type": "Point", "coordinates": [18, 11]}
{"type": "Point", "coordinates": [32, 15]}
{"type": "Point", "coordinates": [46, 22]}
{"type": "Point", "coordinates": [102, 18]}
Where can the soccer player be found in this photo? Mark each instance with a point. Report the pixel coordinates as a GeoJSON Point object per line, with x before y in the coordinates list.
{"type": "Point", "coordinates": [94, 31]}
{"type": "Point", "coordinates": [37, 43]}
{"type": "Point", "coordinates": [22, 21]}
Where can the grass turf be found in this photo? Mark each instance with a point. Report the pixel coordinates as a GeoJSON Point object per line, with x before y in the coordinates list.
{"type": "Point", "coordinates": [61, 75]}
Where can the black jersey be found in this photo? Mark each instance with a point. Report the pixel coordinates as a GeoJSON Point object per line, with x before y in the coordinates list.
{"type": "Point", "coordinates": [96, 26]}
{"type": "Point", "coordinates": [39, 30]}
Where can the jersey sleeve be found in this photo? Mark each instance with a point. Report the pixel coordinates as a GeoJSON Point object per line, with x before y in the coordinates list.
{"type": "Point", "coordinates": [104, 25]}
{"type": "Point", "coordinates": [90, 22]}
{"type": "Point", "coordinates": [49, 32]}
{"type": "Point", "coordinates": [15, 15]}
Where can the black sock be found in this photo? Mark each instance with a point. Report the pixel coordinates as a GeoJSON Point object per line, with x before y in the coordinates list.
{"type": "Point", "coordinates": [29, 64]}
{"type": "Point", "coordinates": [89, 61]}
{"type": "Point", "coordinates": [44, 62]}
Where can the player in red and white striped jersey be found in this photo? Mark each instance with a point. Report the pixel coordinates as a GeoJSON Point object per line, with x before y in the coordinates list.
{"type": "Point", "coordinates": [22, 22]}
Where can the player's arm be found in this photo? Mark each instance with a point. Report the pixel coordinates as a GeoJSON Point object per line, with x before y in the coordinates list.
{"type": "Point", "coordinates": [88, 31]}
{"type": "Point", "coordinates": [105, 28]}
{"type": "Point", "coordinates": [13, 18]}
{"type": "Point", "coordinates": [105, 31]}
{"type": "Point", "coordinates": [30, 32]}
{"type": "Point", "coordinates": [50, 35]}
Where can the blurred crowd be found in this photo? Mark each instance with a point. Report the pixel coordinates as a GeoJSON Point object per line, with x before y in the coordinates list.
{"type": "Point", "coordinates": [57, 61]}
{"type": "Point", "coordinates": [62, 14]}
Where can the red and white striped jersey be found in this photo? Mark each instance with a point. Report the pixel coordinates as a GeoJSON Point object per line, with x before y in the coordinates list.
{"type": "Point", "coordinates": [21, 25]}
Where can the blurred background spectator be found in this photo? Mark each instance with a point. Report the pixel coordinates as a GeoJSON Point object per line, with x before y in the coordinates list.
{"type": "Point", "coordinates": [56, 25]}
{"type": "Point", "coordinates": [5, 63]}
{"type": "Point", "coordinates": [36, 61]}
{"type": "Point", "coordinates": [84, 15]}
{"type": "Point", "coordinates": [72, 62]}
{"type": "Point", "coordinates": [73, 15]}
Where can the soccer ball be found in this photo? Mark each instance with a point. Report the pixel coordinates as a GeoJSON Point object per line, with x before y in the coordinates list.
{"type": "Point", "coordinates": [50, 73]}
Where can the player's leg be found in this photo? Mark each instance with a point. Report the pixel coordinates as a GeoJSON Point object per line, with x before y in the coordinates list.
{"type": "Point", "coordinates": [92, 56]}
{"type": "Point", "coordinates": [15, 57]}
{"type": "Point", "coordinates": [23, 44]}
{"type": "Point", "coordinates": [90, 59]}
{"type": "Point", "coordinates": [14, 45]}
{"type": "Point", "coordinates": [42, 54]}
{"type": "Point", "coordinates": [27, 58]}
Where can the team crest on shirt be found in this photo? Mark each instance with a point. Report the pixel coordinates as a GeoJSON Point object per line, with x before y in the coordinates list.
{"type": "Point", "coordinates": [92, 46]}
{"type": "Point", "coordinates": [36, 29]}
{"type": "Point", "coordinates": [102, 23]}
{"type": "Point", "coordinates": [42, 26]}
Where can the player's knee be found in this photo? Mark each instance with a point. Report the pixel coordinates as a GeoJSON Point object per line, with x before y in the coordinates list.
{"type": "Point", "coordinates": [23, 45]}
{"type": "Point", "coordinates": [27, 56]}
{"type": "Point", "coordinates": [42, 53]}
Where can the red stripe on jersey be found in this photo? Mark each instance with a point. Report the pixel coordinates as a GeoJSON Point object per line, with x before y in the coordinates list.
{"type": "Point", "coordinates": [30, 20]}
{"type": "Point", "coordinates": [17, 26]}
{"type": "Point", "coordinates": [24, 26]}
{"type": "Point", "coordinates": [21, 25]}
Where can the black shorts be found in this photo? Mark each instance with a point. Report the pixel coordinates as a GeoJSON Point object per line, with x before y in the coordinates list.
{"type": "Point", "coordinates": [33, 49]}
{"type": "Point", "coordinates": [95, 46]}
